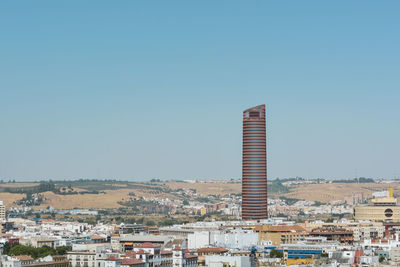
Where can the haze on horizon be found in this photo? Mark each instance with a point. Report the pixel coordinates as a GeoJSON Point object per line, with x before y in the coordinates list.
{"type": "Point", "coordinates": [138, 90]}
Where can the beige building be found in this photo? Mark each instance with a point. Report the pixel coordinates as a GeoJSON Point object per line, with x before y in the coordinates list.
{"type": "Point", "coordinates": [281, 234]}
{"type": "Point", "coordinates": [395, 254]}
{"type": "Point", "coordinates": [368, 231]}
{"type": "Point", "coordinates": [2, 211]}
{"type": "Point", "coordinates": [380, 209]}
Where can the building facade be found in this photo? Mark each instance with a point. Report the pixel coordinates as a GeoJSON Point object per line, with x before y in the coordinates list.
{"type": "Point", "coordinates": [2, 211]}
{"type": "Point", "coordinates": [381, 208]}
{"type": "Point", "coordinates": [279, 235]}
{"type": "Point", "coordinates": [254, 165]}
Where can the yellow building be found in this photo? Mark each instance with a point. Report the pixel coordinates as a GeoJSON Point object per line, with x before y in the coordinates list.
{"type": "Point", "coordinates": [203, 211]}
{"type": "Point", "coordinates": [382, 208]}
{"type": "Point", "coordinates": [280, 234]}
{"type": "Point", "coordinates": [291, 262]}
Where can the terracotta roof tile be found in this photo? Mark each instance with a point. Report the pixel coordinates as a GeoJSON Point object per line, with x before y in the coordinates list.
{"type": "Point", "coordinates": [131, 261]}
{"type": "Point", "coordinates": [212, 250]}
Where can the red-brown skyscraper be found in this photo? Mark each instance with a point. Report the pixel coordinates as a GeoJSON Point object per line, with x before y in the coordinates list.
{"type": "Point", "coordinates": [254, 165]}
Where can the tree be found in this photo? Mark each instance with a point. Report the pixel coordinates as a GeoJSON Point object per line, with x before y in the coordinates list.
{"type": "Point", "coordinates": [63, 250]}
{"type": "Point", "coordinates": [6, 248]}
{"type": "Point", "coordinates": [381, 259]}
{"type": "Point", "coordinates": [23, 250]}
{"type": "Point", "coordinates": [35, 252]}
{"type": "Point", "coordinates": [45, 251]}
{"type": "Point", "coordinates": [276, 254]}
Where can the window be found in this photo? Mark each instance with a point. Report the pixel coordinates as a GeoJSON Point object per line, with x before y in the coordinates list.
{"type": "Point", "coordinates": [388, 212]}
{"type": "Point", "coordinates": [254, 114]}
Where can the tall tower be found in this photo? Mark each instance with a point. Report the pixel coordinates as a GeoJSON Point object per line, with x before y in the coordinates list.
{"type": "Point", "coordinates": [254, 165]}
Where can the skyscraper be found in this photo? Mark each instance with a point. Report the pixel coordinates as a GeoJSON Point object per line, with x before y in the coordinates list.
{"type": "Point", "coordinates": [254, 165]}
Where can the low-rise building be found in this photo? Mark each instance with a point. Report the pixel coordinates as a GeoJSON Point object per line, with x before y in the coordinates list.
{"type": "Point", "coordinates": [281, 234]}
{"type": "Point", "coordinates": [227, 261]}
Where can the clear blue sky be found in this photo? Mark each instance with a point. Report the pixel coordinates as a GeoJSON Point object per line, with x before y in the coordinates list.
{"type": "Point", "coordinates": [156, 89]}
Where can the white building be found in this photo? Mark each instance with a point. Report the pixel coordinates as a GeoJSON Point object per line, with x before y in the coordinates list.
{"type": "Point", "coordinates": [90, 255]}
{"type": "Point", "coordinates": [180, 258]}
{"type": "Point", "coordinates": [233, 239]}
{"type": "Point", "coordinates": [7, 261]}
{"type": "Point", "coordinates": [227, 260]}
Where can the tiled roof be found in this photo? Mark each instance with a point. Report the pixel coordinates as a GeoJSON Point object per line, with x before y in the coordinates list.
{"type": "Point", "coordinates": [166, 252]}
{"type": "Point", "coordinates": [279, 228]}
{"type": "Point", "coordinates": [24, 258]}
{"type": "Point", "coordinates": [212, 250]}
{"type": "Point", "coordinates": [190, 256]}
{"type": "Point", "coordinates": [142, 252]}
{"type": "Point", "coordinates": [131, 261]}
{"type": "Point", "coordinates": [147, 245]}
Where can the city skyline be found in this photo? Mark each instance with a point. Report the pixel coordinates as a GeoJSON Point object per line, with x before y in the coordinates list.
{"type": "Point", "coordinates": [130, 91]}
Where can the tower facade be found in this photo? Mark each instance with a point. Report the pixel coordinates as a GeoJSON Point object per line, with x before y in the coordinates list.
{"type": "Point", "coordinates": [254, 165]}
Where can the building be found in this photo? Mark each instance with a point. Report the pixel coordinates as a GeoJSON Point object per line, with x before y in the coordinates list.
{"type": "Point", "coordinates": [132, 263]}
{"type": "Point", "coordinates": [183, 258]}
{"type": "Point", "coordinates": [42, 241]}
{"type": "Point", "coordinates": [7, 261]}
{"type": "Point", "coordinates": [368, 231]}
{"type": "Point", "coordinates": [395, 254]}
{"type": "Point", "coordinates": [381, 208]}
{"type": "Point", "coordinates": [202, 253]}
{"type": "Point", "coordinates": [27, 261]}
{"type": "Point", "coordinates": [50, 261]}
{"type": "Point", "coordinates": [227, 261]}
{"type": "Point", "coordinates": [254, 165]}
{"type": "Point", "coordinates": [300, 262]}
{"type": "Point", "coordinates": [338, 234]}
{"type": "Point", "coordinates": [231, 239]}
{"type": "Point", "coordinates": [90, 255]}
{"type": "Point", "coordinates": [127, 242]}
{"type": "Point", "coordinates": [2, 211]}
{"type": "Point", "coordinates": [82, 258]}
{"type": "Point", "coordinates": [281, 234]}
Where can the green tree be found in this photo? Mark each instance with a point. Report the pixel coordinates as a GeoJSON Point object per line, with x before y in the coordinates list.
{"type": "Point", "coordinates": [45, 251]}
{"type": "Point", "coordinates": [23, 250]}
{"type": "Point", "coordinates": [63, 250]}
{"type": "Point", "coordinates": [6, 248]}
{"type": "Point", "coordinates": [381, 259]}
{"type": "Point", "coordinates": [31, 251]}
{"type": "Point", "coordinates": [276, 254]}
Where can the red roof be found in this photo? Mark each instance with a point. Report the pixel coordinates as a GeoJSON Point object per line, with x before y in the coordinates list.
{"type": "Point", "coordinates": [131, 261]}
{"type": "Point", "coordinates": [24, 258]}
{"type": "Point", "coordinates": [166, 251]}
{"type": "Point", "coordinates": [190, 256]}
{"type": "Point", "coordinates": [130, 254]}
{"type": "Point", "coordinates": [141, 251]}
{"type": "Point", "coordinates": [147, 245]}
{"type": "Point", "coordinates": [212, 250]}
